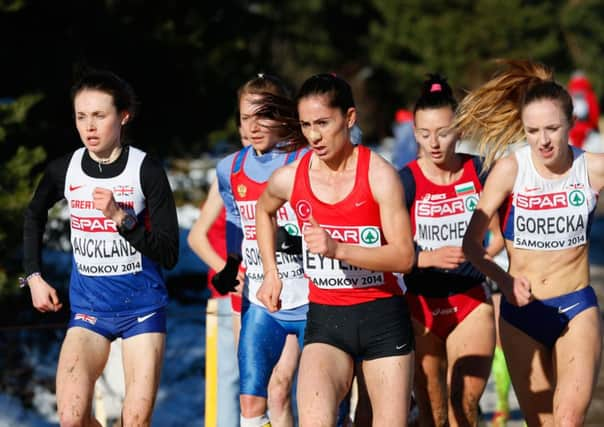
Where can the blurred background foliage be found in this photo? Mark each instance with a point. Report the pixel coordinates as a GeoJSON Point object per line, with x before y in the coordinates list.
{"type": "Point", "coordinates": [187, 58]}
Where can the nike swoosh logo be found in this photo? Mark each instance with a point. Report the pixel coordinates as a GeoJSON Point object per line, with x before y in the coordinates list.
{"type": "Point", "coordinates": [531, 189]}
{"type": "Point", "coordinates": [143, 318]}
{"type": "Point", "coordinates": [285, 246]}
{"type": "Point", "coordinates": [74, 187]}
{"type": "Point", "coordinates": [359, 204]}
{"type": "Point", "coordinates": [565, 309]}
{"type": "Point", "coordinates": [399, 347]}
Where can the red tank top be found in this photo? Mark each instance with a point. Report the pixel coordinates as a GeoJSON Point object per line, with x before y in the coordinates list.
{"type": "Point", "coordinates": [440, 214]}
{"type": "Point", "coordinates": [246, 192]}
{"type": "Point", "coordinates": [354, 220]}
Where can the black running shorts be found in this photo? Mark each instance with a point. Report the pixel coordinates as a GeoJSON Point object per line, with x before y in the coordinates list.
{"type": "Point", "coordinates": [366, 331]}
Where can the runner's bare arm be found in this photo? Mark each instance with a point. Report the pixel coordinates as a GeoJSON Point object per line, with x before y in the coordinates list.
{"type": "Point", "coordinates": [498, 186]}
{"type": "Point", "coordinates": [595, 168]}
{"type": "Point", "coordinates": [496, 243]}
{"type": "Point", "coordinates": [274, 196]}
{"type": "Point", "coordinates": [198, 236]}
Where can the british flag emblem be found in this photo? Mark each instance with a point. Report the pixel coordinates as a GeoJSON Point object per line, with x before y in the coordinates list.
{"type": "Point", "coordinates": [85, 318]}
{"type": "Point", "coordinates": [123, 190]}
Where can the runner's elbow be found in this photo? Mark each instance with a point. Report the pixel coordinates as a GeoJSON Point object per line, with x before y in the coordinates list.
{"type": "Point", "coordinates": [407, 261]}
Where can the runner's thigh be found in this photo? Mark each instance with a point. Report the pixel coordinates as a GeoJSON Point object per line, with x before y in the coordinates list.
{"type": "Point", "coordinates": [81, 362]}
{"type": "Point", "coordinates": [577, 357]}
{"type": "Point", "coordinates": [142, 356]}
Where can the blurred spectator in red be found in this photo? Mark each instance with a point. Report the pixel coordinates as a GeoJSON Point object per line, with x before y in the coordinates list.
{"type": "Point", "coordinates": [585, 133]}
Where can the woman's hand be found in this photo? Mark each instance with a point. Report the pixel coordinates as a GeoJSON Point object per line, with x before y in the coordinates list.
{"type": "Point", "coordinates": [270, 291]}
{"type": "Point", "coordinates": [447, 257]}
{"type": "Point", "coordinates": [518, 292]}
{"type": "Point", "coordinates": [105, 202]}
{"type": "Point", "coordinates": [318, 241]}
{"type": "Point", "coordinates": [44, 297]}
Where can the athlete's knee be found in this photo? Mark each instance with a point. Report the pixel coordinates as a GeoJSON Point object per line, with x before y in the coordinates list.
{"type": "Point", "coordinates": [137, 415]}
{"type": "Point", "coordinates": [71, 420]}
{"type": "Point", "coordinates": [252, 406]}
{"type": "Point", "coordinates": [431, 412]}
{"type": "Point", "coordinates": [135, 419]}
{"type": "Point", "coordinates": [465, 407]}
{"type": "Point", "coordinates": [279, 392]}
{"type": "Point", "coordinates": [72, 415]}
{"type": "Point", "coordinates": [574, 420]}
{"type": "Point", "coordinates": [436, 419]}
{"type": "Point", "coordinates": [77, 421]}
{"type": "Point", "coordinates": [568, 416]}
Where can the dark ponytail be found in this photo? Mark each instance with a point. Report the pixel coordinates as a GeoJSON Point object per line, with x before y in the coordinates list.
{"type": "Point", "coordinates": [436, 93]}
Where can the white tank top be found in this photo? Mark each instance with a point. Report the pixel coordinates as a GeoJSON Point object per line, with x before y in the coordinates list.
{"type": "Point", "coordinates": [551, 214]}
{"type": "Point", "coordinates": [98, 248]}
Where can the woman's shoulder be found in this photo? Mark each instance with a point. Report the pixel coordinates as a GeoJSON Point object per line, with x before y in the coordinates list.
{"type": "Point", "coordinates": [504, 170]}
{"type": "Point", "coordinates": [595, 169]}
{"type": "Point", "coordinates": [383, 177]}
{"type": "Point", "coordinates": [226, 162]}
{"type": "Point", "coordinates": [378, 163]}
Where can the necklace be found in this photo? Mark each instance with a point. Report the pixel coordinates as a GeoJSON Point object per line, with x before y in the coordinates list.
{"type": "Point", "coordinates": [105, 161]}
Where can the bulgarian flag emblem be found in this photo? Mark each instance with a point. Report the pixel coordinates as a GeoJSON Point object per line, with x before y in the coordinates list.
{"type": "Point", "coordinates": [465, 188]}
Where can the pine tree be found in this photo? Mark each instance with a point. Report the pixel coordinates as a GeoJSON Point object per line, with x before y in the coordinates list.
{"type": "Point", "coordinates": [16, 183]}
{"type": "Point", "coordinates": [461, 38]}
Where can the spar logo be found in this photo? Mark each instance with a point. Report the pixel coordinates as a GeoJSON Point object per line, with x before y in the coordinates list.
{"type": "Point", "coordinates": [249, 231]}
{"type": "Point", "coordinates": [343, 234]}
{"type": "Point", "coordinates": [370, 235]}
{"type": "Point", "coordinates": [576, 198]}
{"type": "Point", "coordinates": [93, 224]}
{"type": "Point", "coordinates": [440, 209]}
{"type": "Point", "coordinates": [548, 201]}
{"type": "Point", "coordinates": [471, 202]}
{"type": "Point", "coordinates": [367, 236]}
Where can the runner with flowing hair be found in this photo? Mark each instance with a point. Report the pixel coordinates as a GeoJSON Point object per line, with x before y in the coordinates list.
{"type": "Point", "coordinates": [546, 193]}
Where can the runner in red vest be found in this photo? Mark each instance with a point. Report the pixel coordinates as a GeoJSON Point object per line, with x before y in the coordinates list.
{"type": "Point", "coordinates": [446, 294]}
{"type": "Point", "coordinates": [349, 204]}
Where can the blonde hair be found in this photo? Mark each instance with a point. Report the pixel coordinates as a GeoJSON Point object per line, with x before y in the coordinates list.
{"type": "Point", "coordinates": [490, 116]}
